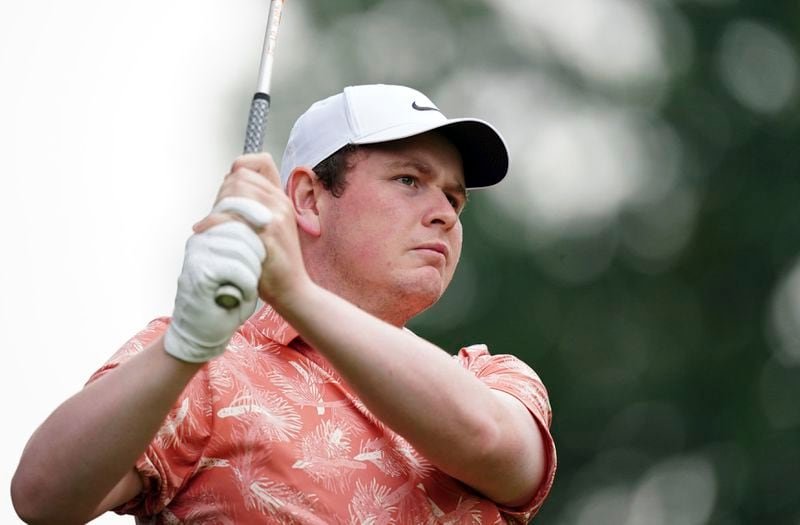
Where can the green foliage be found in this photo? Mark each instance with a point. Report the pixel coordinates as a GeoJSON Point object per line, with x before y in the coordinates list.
{"type": "Point", "coordinates": [648, 364]}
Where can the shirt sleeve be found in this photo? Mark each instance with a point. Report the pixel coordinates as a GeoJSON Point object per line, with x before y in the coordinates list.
{"type": "Point", "coordinates": [172, 456]}
{"type": "Point", "coordinates": [511, 375]}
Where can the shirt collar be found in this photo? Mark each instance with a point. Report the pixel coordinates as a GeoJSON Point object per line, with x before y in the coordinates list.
{"type": "Point", "coordinates": [268, 323]}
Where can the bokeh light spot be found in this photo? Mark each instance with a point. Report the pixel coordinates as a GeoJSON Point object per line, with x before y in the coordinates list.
{"type": "Point", "coordinates": [759, 66]}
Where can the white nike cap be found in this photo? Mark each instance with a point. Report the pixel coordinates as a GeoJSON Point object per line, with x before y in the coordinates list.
{"type": "Point", "coordinates": [381, 113]}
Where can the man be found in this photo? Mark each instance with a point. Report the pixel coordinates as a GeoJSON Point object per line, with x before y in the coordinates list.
{"type": "Point", "coordinates": [320, 408]}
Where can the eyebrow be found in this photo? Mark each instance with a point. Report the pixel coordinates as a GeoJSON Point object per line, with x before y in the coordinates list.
{"type": "Point", "coordinates": [424, 167]}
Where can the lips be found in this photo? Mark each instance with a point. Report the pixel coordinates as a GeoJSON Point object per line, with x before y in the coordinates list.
{"type": "Point", "coordinates": [438, 247]}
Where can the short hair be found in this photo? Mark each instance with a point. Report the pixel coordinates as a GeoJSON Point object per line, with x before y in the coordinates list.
{"type": "Point", "coordinates": [332, 171]}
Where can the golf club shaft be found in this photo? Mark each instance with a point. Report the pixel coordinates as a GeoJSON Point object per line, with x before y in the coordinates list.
{"type": "Point", "coordinates": [228, 296]}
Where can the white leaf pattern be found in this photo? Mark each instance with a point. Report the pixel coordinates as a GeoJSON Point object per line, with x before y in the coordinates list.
{"type": "Point", "coordinates": [207, 463]}
{"type": "Point", "coordinates": [283, 502]}
{"type": "Point", "coordinates": [369, 505]}
{"type": "Point", "coordinates": [415, 465]}
{"type": "Point", "coordinates": [168, 435]}
{"type": "Point", "coordinates": [277, 419]}
{"type": "Point", "coordinates": [208, 507]}
{"type": "Point", "coordinates": [324, 455]}
{"type": "Point", "coordinates": [269, 433]}
{"type": "Point", "coordinates": [303, 388]}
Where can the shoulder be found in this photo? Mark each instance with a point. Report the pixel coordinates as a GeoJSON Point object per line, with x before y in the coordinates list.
{"type": "Point", "coordinates": [477, 358]}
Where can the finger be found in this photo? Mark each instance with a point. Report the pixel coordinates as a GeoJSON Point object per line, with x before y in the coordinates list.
{"type": "Point", "coordinates": [245, 182]}
{"type": "Point", "coordinates": [232, 241]}
{"type": "Point", "coordinates": [276, 205]}
{"type": "Point", "coordinates": [255, 213]}
{"type": "Point", "coordinates": [209, 221]}
{"type": "Point", "coordinates": [261, 163]}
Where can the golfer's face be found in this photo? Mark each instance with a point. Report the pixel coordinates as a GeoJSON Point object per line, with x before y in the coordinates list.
{"type": "Point", "coordinates": [397, 223]}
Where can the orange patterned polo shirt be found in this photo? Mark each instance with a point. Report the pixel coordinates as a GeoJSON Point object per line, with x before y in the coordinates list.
{"type": "Point", "coordinates": [269, 433]}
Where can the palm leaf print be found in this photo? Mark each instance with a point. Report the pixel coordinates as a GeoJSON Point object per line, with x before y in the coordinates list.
{"type": "Point", "coordinates": [276, 419]}
{"type": "Point", "coordinates": [325, 456]}
{"type": "Point", "coordinates": [369, 505]}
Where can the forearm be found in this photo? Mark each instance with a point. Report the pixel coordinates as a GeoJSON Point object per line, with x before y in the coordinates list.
{"type": "Point", "coordinates": [86, 446]}
{"type": "Point", "coordinates": [415, 388]}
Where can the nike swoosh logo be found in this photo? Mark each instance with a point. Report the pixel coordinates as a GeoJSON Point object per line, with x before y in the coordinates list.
{"type": "Point", "coordinates": [423, 108]}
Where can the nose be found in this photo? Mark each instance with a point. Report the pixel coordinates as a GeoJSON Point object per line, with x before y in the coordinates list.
{"type": "Point", "coordinates": [440, 211]}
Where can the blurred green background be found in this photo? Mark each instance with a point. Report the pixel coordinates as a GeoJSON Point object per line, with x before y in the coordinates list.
{"type": "Point", "coordinates": [642, 256]}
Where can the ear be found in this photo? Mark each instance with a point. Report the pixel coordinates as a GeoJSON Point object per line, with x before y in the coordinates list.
{"type": "Point", "coordinates": [303, 190]}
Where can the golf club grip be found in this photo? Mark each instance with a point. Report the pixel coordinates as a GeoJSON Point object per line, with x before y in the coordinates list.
{"type": "Point", "coordinates": [229, 296]}
{"type": "Point", "coordinates": [256, 123]}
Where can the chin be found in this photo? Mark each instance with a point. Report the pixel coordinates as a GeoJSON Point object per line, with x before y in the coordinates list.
{"type": "Point", "coordinates": [422, 294]}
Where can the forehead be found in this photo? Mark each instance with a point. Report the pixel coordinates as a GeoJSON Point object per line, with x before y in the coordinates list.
{"type": "Point", "coordinates": [428, 153]}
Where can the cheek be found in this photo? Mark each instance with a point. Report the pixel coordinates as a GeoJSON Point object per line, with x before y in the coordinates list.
{"type": "Point", "coordinates": [365, 223]}
{"type": "Point", "coordinates": [456, 243]}
{"type": "Point", "coordinates": [368, 251]}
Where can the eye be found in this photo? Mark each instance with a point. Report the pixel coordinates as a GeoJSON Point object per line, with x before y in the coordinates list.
{"type": "Point", "coordinates": [457, 200]}
{"type": "Point", "coordinates": [453, 201]}
{"type": "Point", "coordinates": [407, 180]}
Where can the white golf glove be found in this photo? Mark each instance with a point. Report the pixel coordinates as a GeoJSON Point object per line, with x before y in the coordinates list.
{"type": "Point", "coordinates": [229, 253]}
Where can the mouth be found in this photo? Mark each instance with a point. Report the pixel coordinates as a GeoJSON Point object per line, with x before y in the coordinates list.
{"type": "Point", "coordinates": [434, 248]}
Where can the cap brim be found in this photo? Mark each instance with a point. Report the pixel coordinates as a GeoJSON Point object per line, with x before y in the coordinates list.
{"type": "Point", "coordinates": [483, 150]}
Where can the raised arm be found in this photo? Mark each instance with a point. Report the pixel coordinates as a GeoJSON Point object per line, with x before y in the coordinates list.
{"type": "Point", "coordinates": [485, 438]}
{"type": "Point", "coordinates": [80, 461]}
{"type": "Point", "coordinates": [88, 446]}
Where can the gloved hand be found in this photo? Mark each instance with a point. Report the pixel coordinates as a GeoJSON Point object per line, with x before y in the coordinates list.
{"type": "Point", "coordinates": [228, 253]}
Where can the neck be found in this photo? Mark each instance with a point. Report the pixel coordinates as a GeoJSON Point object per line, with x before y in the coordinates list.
{"type": "Point", "coordinates": [395, 308]}
{"type": "Point", "coordinates": [395, 312]}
